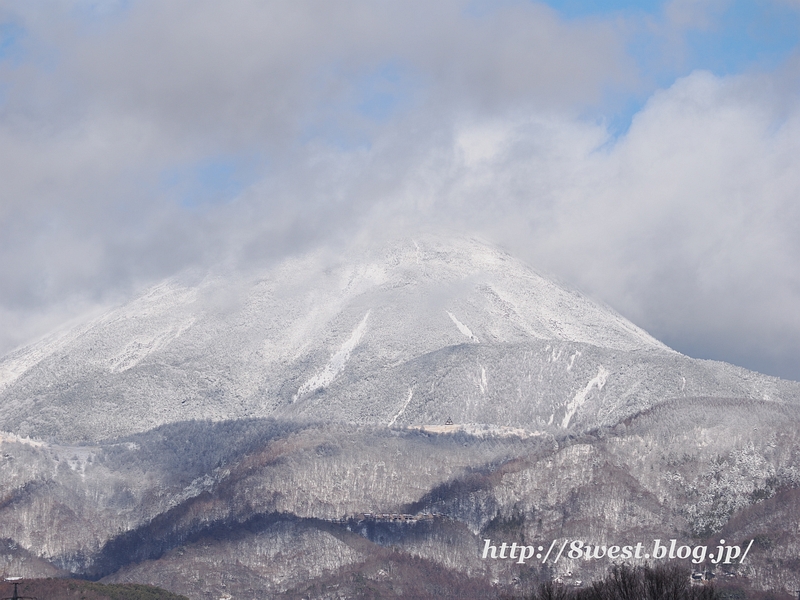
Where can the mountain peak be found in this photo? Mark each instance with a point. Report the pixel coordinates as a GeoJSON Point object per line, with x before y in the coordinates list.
{"type": "Point", "coordinates": [391, 334]}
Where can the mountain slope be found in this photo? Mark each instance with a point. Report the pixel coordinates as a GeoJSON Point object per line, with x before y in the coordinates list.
{"type": "Point", "coordinates": [410, 333]}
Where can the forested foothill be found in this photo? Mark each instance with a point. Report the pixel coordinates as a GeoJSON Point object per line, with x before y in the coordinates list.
{"type": "Point", "coordinates": [267, 506]}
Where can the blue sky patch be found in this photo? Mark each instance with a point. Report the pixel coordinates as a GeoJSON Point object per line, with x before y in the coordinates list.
{"type": "Point", "coordinates": [739, 35]}
{"type": "Point", "coordinates": [212, 181]}
{"type": "Point", "coordinates": [382, 92]}
{"type": "Point", "coordinates": [10, 36]}
{"type": "Point", "coordinates": [749, 33]}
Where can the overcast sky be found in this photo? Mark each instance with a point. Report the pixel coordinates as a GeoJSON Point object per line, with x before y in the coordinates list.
{"type": "Point", "coordinates": [646, 152]}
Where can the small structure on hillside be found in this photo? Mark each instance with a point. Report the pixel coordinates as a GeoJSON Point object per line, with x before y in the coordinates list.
{"type": "Point", "coordinates": [16, 581]}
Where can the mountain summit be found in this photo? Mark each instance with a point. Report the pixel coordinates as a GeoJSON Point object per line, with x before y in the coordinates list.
{"type": "Point", "coordinates": [408, 334]}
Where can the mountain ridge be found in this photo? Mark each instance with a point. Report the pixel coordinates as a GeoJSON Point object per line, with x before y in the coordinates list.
{"type": "Point", "coordinates": [412, 333]}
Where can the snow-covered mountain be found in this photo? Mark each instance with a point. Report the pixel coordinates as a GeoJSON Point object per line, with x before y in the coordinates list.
{"type": "Point", "coordinates": [283, 432]}
{"type": "Point", "coordinates": [410, 333]}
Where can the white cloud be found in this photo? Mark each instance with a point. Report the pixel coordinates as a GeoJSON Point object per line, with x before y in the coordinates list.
{"type": "Point", "coordinates": [687, 223]}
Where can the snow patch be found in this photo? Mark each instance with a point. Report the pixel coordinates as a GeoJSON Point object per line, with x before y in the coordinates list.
{"type": "Point", "coordinates": [579, 400]}
{"type": "Point", "coordinates": [143, 345]}
{"type": "Point", "coordinates": [572, 359]}
{"type": "Point", "coordinates": [402, 410]}
{"type": "Point", "coordinates": [11, 438]}
{"type": "Point", "coordinates": [461, 327]}
{"type": "Point", "coordinates": [418, 254]}
{"type": "Point", "coordinates": [337, 363]}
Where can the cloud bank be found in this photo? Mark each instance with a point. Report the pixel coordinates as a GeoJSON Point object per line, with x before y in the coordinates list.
{"type": "Point", "coordinates": [141, 138]}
